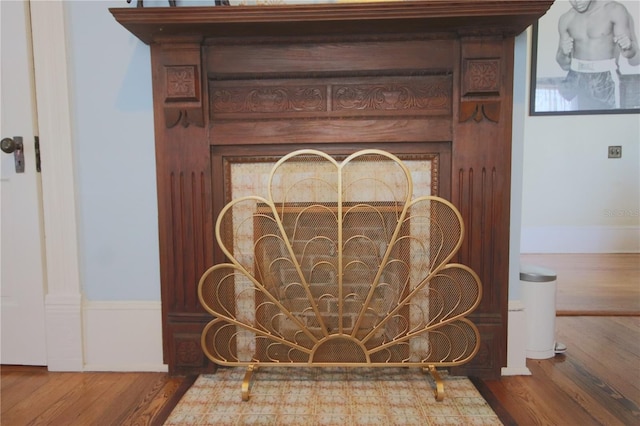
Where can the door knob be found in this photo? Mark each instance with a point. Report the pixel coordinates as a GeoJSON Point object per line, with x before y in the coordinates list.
{"type": "Point", "coordinates": [9, 145]}
{"type": "Point", "coordinates": [14, 145]}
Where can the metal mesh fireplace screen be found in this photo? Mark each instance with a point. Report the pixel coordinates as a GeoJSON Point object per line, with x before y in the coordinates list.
{"type": "Point", "coordinates": [338, 265]}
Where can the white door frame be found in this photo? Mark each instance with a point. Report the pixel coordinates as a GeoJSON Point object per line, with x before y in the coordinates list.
{"type": "Point", "coordinates": [63, 300]}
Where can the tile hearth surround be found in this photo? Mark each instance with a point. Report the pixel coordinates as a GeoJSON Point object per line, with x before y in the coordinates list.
{"type": "Point", "coordinates": [331, 396]}
{"type": "Point", "coordinates": [251, 178]}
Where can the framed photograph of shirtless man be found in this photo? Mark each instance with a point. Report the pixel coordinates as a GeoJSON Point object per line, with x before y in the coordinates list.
{"type": "Point", "coordinates": [586, 59]}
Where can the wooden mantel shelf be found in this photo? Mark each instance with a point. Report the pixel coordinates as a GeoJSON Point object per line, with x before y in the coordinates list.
{"type": "Point", "coordinates": [506, 17]}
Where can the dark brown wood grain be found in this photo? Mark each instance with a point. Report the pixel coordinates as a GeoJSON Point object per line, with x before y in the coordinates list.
{"type": "Point", "coordinates": [426, 77]}
{"type": "Point", "coordinates": [467, 16]}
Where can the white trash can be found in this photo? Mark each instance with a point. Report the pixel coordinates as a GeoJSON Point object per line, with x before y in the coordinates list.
{"type": "Point", "coordinates": [539, 297]}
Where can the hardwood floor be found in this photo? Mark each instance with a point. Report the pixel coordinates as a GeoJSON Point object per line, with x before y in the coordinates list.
{"type": "Point", "coordinates": [593, 284]}
{"type": "Point", "coordinates": [35, 396]}
{"type": "Point", "coordinates": [597, 382]}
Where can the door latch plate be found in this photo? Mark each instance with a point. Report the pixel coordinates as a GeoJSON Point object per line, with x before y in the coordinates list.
{"type": "Point", "coordinates": [14, 145]}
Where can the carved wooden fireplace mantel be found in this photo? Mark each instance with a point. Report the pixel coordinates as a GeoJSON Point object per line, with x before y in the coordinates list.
{"type": "Point", "coordinates": [426, 80]}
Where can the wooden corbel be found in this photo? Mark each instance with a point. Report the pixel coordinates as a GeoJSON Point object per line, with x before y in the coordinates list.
{"type": "Point", "coordinates": [480, 89]}
{"type": "Point", "coordinates": [182, 83]}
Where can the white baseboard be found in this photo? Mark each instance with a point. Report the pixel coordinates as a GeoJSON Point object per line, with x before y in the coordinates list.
{"type": "Point", "coordinates": [122, 336]}
{"type": "Point", "coordinates": [64, 333]}
{"type": "Point", "coordinates": [510, 371]}
{"type": "Point", "coordinates": [516, 341]}
{"type": "Point", "coordinates": [580, 239]}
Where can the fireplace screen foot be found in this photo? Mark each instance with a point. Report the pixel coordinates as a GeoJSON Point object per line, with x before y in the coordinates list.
{"type": "Point", "coordinates": [246, 382]}
{"type": "Point", "coordinates": [439, 392]}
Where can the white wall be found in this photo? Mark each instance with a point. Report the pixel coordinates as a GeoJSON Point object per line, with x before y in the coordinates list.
{"type": "Point", "coordinates": [114, 159]}
{"type": "Point", "coordinates": [521, 64]}
{"type": "Point", "coordinates": [574, 198]}
{"type": "Point", "coordinates": [112, 112]}
{"type": "Point", "coordinates": [516, 337]}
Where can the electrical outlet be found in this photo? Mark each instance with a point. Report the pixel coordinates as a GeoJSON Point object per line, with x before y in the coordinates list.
{"type": "Point", "coordinates": [615, 151]}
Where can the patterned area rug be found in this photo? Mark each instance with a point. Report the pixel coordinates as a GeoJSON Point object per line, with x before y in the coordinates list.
{"type": "Point", "coordinates": [331, 396]}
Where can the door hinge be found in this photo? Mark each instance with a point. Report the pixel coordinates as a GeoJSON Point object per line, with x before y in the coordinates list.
{"type": "Point", "coordinates": [37, 145]}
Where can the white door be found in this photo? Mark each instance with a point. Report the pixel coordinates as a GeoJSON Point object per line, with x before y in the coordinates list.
{"type": "Point", "coordinates": [22, 338]}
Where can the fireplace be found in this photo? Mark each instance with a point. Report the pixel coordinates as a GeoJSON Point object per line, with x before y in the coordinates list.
{"type": "Point", "coordinates": [429, 81]}
{"type": "Point", "coordinates": [340, 264]}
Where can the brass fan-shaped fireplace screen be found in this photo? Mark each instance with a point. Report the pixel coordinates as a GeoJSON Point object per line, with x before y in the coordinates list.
{"type": "Point", "coordinates": [339, 265]}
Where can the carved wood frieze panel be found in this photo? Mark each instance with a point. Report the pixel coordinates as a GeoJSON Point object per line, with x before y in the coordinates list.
{"type": "Point", "coordinates": [421, 95]}
{"type": "Point", "coordinates": [270, 99]}
{"type": "Point", "coordinates": [430, 95]}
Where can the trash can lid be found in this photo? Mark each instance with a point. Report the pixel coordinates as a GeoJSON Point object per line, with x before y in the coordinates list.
{"type": "Point", "coordinates": [537, 274]}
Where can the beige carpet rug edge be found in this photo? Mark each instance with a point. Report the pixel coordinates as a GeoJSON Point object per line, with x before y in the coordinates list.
{"type": "Point", "coordinates": [331, 396]}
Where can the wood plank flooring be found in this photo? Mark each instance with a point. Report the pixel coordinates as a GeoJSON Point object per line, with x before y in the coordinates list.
{"type": "Point", "coordinates": [35, 396]}
{"type": "Point", "coordinates": [593, 284]}
{"type": "Point", "coordinates": [597, 382]}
